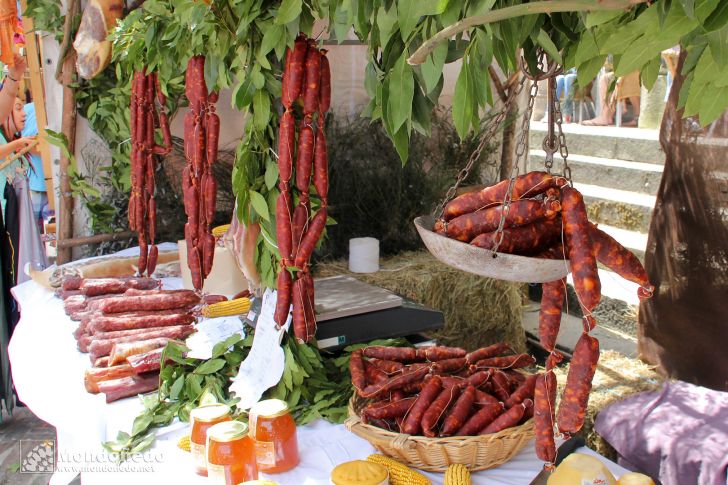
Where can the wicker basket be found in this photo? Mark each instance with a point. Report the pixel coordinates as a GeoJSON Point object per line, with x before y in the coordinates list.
{"type": "Point", "coordinates": [436, 454]}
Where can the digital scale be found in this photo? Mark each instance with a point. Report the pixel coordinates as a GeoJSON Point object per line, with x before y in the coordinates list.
{"type": "Point", "coordinates": [349, 311]}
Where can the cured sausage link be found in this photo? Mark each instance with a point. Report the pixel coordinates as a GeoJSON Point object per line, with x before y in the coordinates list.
{"type": "Point", "coordinates": [543, 416]}
{"type": "Point", "coordinates": [158, 301]}
{"type": "Point", "coordinates": [579, 245]}
{"type": "Point", "coordinates": [620, 260]}
{"type": "Point", "coordinates": [549, 318]}
{"type": "Point", "coordinates": [575, 397]}
{"type": "Point", "coordinates": [526, 211]}
{"type": "Point", "coordinates": [526, 185]}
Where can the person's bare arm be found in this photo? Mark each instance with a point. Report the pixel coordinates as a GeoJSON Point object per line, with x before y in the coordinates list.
{"type": "Point", "coordinates": [10, 86]}
{"type": "Point", "coordinates": [7, 149]}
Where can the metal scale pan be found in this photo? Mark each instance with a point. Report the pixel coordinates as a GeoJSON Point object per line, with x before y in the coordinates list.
{"type": "Point", "coordinates": [484, 262]}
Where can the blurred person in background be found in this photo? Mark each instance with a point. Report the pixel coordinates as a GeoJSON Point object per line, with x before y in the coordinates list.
{"type": "Point", "coordinates": [36, 176]}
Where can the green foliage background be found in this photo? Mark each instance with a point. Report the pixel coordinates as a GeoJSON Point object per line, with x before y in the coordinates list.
{"type": "Point", "coordinates": [244, 42]}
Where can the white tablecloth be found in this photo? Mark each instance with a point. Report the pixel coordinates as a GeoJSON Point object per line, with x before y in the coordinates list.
{"type": "Point", "coordinates": [48, 374]}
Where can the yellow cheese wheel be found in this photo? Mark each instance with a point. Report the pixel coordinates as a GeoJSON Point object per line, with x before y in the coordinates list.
{"type": "Point", "coordinates": [633, 478]}
{"type": "Point", "coordinates": [581, 469]}
{"type": "Point", "coordinates": [359, 472]}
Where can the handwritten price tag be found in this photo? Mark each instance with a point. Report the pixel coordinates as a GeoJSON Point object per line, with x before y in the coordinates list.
{"type": "Point", "coordinates": [211, 331]}
{"type": "Point", "coordinates": [263, 367]}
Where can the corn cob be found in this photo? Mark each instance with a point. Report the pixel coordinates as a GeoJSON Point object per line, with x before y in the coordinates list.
{"type": "Point", "coordinates": [457, 475]}
{"type": "Point", "coordinates": [184, 443]}
{"type": "Point", "coordinates": [220, 230]}
{"type": "Point", "coordinates": [399, 474]}
{"type": "Point", "coordinates": [226, 308]}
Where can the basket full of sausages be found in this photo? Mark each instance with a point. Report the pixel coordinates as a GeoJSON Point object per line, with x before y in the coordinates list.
{"type": "Point", "coordinates": [436, 406]}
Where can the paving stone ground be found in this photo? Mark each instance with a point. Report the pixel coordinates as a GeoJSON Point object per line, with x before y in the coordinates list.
{"type": "Point", "coordinates": [25, 426]}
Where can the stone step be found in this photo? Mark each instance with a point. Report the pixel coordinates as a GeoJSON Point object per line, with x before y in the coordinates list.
{"type": "Point", "coordinates": [631, 144]}
{"type": "Point", "coordinates": [626, 175]}
{"type": "Point", "coordinates": [618, 208]}
{"type": "Point", "coordinates": [571, 329]}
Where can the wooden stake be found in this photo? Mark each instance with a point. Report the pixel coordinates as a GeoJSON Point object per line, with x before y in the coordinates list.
{"type": "Point", "coordinates": [68, 128]}
{"type": "Point", "coordinates": [38, 93]}
{"type": "Point", "coordinates": [95, 239]}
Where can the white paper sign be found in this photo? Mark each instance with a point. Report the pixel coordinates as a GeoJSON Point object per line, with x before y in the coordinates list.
{"type": "Point", "coordinates": [263, 367]}
{"type": "Point", "coordinates": [210, 331]}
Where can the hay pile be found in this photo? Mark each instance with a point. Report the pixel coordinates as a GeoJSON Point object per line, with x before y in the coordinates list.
{"type": "Point", "coordinates": [617, 378]}
{"type": "Point", "coordinates": [478, 311]}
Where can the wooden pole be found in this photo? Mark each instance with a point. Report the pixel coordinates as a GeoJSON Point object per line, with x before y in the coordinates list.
{"type": "Point", "coordinates": [38, 93]}
{"type": "Point", "coordinates": [95, 239]}
{"type": "Point", "coordinates": [68, 128]}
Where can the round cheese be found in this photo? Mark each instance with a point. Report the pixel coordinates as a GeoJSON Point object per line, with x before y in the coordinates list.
{"type": "Point", "coordinates": [359, 472]}
{"type": "Point", "coordinates": [633, 478]}
{"type": "Point", "coordinates": [581, 469]}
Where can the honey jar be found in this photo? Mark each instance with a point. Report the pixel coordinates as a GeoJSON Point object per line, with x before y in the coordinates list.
{"type": "Point", "coordinates": [202, 419]}
{"type": "Point", "coordinates": [230, 454]}
{"type": "Point", "coordinates": [274, 434]}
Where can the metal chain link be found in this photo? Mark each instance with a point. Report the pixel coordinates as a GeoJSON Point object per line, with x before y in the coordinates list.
{"type": "Point", "coordinates": [487, 136]}
{"type": "Point", "coordinates": [521, 150]}
{"type": "Point", "coordinates": [563, 149]}
{"type": "Point", "coordinates": [549, 141]}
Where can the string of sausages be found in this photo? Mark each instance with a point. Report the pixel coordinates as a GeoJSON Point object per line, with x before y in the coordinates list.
{"type": "Point", "coordinates": [548, 219]}
{"type": "Point", "coordinates": [201, 135]}
{"type": "Point", "coordinates": [306, 75]}
{"type": "Point", "coordinates": [144, 120]}
{"type": "Point", "coordinates": [443, 391]}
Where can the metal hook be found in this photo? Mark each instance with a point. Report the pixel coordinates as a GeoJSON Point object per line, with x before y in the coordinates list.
{"type": "Point", "coordinates": [553, 70]}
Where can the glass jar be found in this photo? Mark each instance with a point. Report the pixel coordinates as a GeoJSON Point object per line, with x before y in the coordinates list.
{"type": "Point", "coordinates": [202, 419]}
{"type": "Point", "coordinates": [230, 454]}
{"type": "Point", "coordinates": [274, 434]}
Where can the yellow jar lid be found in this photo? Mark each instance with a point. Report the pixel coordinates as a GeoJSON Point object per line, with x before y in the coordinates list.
{"type": "Point", "coordinates": [209, 413]}
{"type": "Point", "coordinates": [359, 472]}
{"type": "Point", "coordinates": [269, 408]}
{"type": "Point", "coordinates": [227, 431]}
